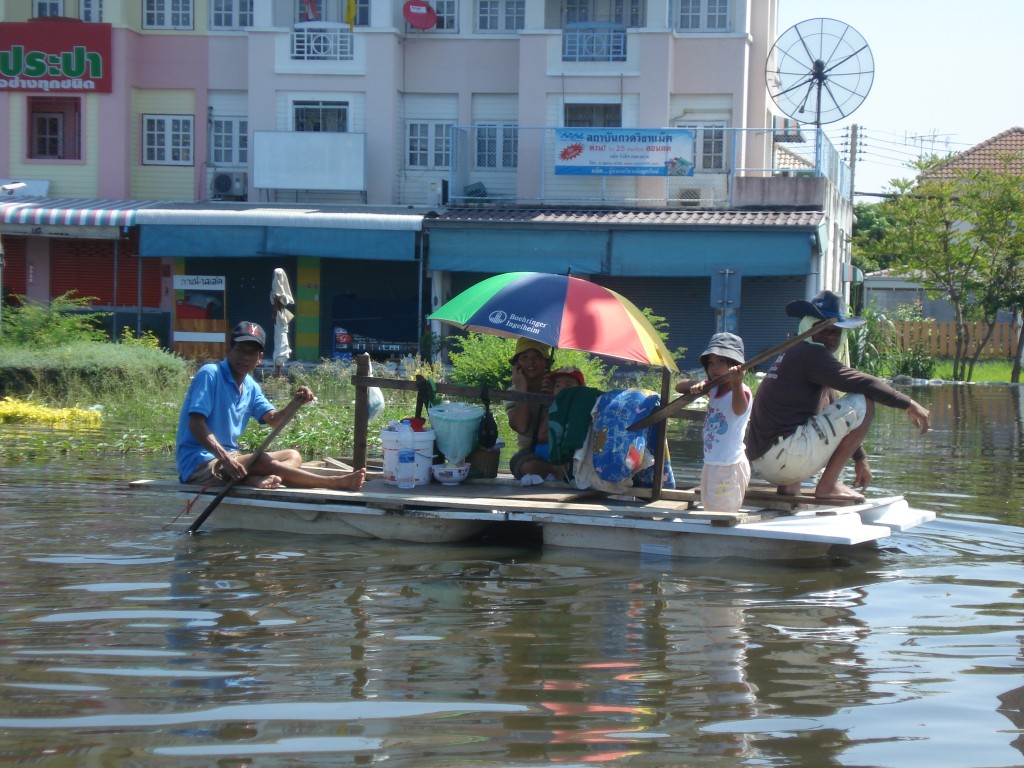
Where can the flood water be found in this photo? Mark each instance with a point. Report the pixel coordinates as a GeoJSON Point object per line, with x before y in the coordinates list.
{"type": "Point", "coordinates": [124, 642]}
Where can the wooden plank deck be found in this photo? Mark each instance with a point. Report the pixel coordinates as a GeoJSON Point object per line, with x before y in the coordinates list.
{"type": "Point", "coordinates": [506, 495]}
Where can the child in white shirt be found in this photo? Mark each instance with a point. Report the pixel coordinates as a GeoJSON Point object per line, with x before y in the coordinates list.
{"type": "Point", "coordinates": [726, 471]}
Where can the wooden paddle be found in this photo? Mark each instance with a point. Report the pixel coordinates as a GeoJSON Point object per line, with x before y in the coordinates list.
{"type": "Point", "coordinates": [662, 413]}
{"type": "Point", "coordinates": [286, 416]}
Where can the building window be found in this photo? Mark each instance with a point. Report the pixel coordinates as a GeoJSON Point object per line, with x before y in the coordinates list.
{"type": "Point", "coordinates": [47, 135]}
{"type": "Point", "coordinates": [497, 146]}
{"type": "Point", "coordinates": [90, 10]}
{"type": "Point", "coordinates": [231, 14]}
{"type": "Point", "coordinates": [429, 145]}
{"type": "Point", "coordinates": [577, 11]}
{"type": "Point", "coordinates": [325, 10]}
{"type": "Point", "coordinates": [510, 146]}
{"type": "Point", "coordinates": [229, 137]}
{"type": "Point", "coordinates": [447, 15]}
{"type": "Point", "coordinates": [309, 10]}
{"type": "Point", "coordinates": [321, 116]}
{"type": "Point", "coordinates": [500, 15]}
{"type": "Point", "coordinates": [628, 13]}
{"type": "Point", "coordinates": [167, 14]}
{"type": "Point", "coordinates": [709, 147]}
{"type": "Point", "coordinates": [704, 15]}
{"type": "Point", "coordinates": [362, 13]}
{"type": "Point", "coordinates": [42, 8]}
{"type": "Point", "coordinates": [593, 115]}
{"type": "Point", "coordinates": [167, 139]}
{"type": "Point", "coordinates": [54, 129]}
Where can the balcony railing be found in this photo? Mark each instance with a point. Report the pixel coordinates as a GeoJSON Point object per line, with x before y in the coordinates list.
{"type": "Point", "coordinates": [321, 41]}
{"type": "Point", "coordinates": [594, 41]}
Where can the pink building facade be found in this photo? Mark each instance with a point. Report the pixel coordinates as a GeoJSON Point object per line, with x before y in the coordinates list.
{"type": "Point", "coordinates": [384, 161]}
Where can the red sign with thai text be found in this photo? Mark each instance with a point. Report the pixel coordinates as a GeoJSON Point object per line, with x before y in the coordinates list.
{"type": "Point", "coordinates": [55, 56]}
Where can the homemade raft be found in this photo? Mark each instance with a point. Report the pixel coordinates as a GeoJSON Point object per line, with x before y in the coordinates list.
{"type": "Point", "coordinates": [648, 521]}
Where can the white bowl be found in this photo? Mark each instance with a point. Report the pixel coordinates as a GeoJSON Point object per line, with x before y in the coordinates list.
{"type": "Point", "coordinates": [450, 474]}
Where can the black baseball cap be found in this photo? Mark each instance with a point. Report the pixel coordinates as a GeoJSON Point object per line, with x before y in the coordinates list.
{"type": "Point", "coordinates": [246, 331]}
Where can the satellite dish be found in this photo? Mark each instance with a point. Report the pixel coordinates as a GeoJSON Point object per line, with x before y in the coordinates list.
{"type": "Point", "coordinates": [820, 68]}
{"type": "Point", "coordinates": [419, 14]}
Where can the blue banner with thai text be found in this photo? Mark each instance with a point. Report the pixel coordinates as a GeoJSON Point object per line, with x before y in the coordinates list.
{"type": "Point", "coordinates": [624, 152]}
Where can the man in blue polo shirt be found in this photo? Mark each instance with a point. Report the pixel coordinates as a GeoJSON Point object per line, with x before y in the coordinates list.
{"type": "Point", "coordinates": [220, 401]}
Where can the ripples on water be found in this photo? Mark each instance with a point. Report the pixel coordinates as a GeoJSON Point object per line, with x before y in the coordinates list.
{"type": "Point", "coordinates": [126, 644]}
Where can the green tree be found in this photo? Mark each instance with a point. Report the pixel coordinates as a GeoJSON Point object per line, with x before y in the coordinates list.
{"type": "Point", "coordinates": [992, 203]}
{"type": "Point", "coordinates": [872, 221]}
{"type": "Point", "coordinates": [955, 233]}
{"type": "Point", "coordinates": [480, 358]}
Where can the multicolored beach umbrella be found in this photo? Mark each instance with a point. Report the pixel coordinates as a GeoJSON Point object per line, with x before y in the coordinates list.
{"type": "Point", "coordinates": [558, 310]}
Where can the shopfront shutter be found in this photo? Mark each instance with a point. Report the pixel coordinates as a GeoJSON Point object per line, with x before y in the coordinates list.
{"type": "Point", "coordinates": [14, 277]}
{"type": "Point", "coordinates": [682, 301]}
{"type": "Point", "coordinates": [87, 267]}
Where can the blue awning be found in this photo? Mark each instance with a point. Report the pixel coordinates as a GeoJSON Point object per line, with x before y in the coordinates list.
{"type": "Point", "coordinates": [512, 250]}
{"type": "Point", "coordinates": [763, 253]}
{"type": "Point", "coordinates": [267, 231]}
{"type": "Point", "coordinates": [175, 229]}
{"type": "Point", "coordinates": [628, 242]}
{"type": "Point", "coordinates": [641, 253]}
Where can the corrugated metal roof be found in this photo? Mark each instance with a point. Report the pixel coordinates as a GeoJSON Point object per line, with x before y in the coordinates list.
{"type": "Point", "coordinates": [281, 217]}
{"type": "Point", "coordinates": [679, 218]}
{"type": "Point", "coordinates": [126, 213]}
{"type": "Point", "coordinates": [72, 211]}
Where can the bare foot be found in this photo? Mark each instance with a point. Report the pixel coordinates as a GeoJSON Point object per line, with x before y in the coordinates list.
{"type": "Point", "coordinates": [839, 493]}
{"type": "Point", "coordinates": [263, 481]}
{"type": "Point", "coordinates": [352, 482]}
{"type": "Point", "coordinates": [791, 489]}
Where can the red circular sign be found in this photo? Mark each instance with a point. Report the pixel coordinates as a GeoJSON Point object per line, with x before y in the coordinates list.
{"type": "Point", "coordinates": [419, 14]}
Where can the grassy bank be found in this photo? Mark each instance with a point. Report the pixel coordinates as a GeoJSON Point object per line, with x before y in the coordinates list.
{"type": "Point", "coordinates": [985, 372]}
{"type": "Point", "coordinates": [128, 400]}
{"type": "Point", "coordinates": [138, 394]}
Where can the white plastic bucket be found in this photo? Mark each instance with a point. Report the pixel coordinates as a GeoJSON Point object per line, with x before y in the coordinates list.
{"type": "Point", "coordinates": [424, 445]}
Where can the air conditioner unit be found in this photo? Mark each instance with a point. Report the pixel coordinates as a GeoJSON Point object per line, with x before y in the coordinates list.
{"type": "Point", "coordinates": [694, 197]}
{"type": "Point", "coordinates": [229, 184]}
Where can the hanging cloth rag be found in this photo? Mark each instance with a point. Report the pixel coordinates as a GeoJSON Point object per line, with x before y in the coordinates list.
{"type": "Point", "coordinates": [280, 298]}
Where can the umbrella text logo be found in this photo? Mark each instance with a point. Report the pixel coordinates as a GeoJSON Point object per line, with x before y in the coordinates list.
{"type": "Point", "coordinates": [498, 317]}
{"type": "Point", "coordinates": [528, 324]}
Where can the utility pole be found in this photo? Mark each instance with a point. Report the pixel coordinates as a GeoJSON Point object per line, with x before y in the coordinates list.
{"type": "Point", "coordinates": [853, 158]}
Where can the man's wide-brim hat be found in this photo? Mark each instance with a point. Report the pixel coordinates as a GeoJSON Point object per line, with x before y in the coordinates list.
{"type": "Point", "coordinates": [826, 305]}
{"type": "Point", "coordinates": [727, 345]}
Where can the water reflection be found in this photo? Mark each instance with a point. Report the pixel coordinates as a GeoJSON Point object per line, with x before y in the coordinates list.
{"type": "Point", "coordinates": [123, 641]}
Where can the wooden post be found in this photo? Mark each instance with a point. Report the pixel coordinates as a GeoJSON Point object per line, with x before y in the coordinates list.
{"type": "Point", "coordinates": [659, 437]}
{"type": "Point", "coordinates": [361, 419]}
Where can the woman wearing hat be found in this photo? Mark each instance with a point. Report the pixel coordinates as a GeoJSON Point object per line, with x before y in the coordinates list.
{"type": "Point", "coordinates": [799, 427]}
{"type": "Point", "coordinates": [530, 365]}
